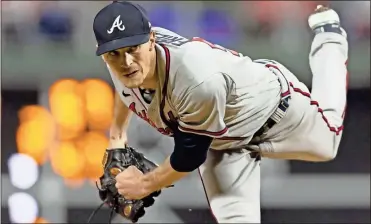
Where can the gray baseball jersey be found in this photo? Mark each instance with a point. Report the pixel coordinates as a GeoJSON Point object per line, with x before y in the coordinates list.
{"type": "Point", "coordinates": [205, 89]}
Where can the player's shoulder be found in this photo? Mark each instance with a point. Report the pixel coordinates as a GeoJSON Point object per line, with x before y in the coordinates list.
{"type": "Point", "coordinates": [179, 46]}
{"type": "Point", "coordinates": [169, 38]}
{"type": "Point", "coordinates": [190, 62]}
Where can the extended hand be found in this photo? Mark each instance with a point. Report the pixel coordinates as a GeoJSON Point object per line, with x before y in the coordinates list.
{"type": "Point", "coordinates": [130, 185]}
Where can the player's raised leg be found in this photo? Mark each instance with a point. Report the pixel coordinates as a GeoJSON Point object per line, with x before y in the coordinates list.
{"type": "Point", "coordinates": [312, 129]}
{"type": "Point", "coordinates": [232, 185]}
{"type": "Point", "coordinates": [328, 62]}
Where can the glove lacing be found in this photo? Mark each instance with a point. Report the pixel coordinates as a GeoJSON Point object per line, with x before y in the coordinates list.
{"type": "Point", "coordinates": [98, 208]}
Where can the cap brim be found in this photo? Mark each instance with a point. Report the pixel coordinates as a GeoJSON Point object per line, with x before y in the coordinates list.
{"type": "Point", "coordinates": [121, 43]}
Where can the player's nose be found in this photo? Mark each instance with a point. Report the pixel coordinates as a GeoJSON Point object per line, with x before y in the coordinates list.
{"type": "Point", "coordinates": [126, 61]}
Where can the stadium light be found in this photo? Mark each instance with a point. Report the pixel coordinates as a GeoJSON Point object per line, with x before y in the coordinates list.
{"type": "Point", "coordinates": [67, 161]}
{"type": "Point", "coordinates": [23, 208]}
{"type": "Point", "coordinates": [23, 171]}
{"type": "Point", "coordinates": [92, 146]}
{"type": "Point", "coordinates": [99, 100]}
{"type": "Point", "coordinates": [66, 101]}
{"type": "Point", "coordinates": [36, 132]}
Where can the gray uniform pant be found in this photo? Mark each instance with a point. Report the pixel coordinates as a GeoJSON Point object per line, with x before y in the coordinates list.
{"type": "Point", "coordinates": [310, 131]}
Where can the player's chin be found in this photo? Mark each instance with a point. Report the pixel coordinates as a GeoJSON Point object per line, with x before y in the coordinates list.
{"type": "Point", "coordinates": [133, 82]}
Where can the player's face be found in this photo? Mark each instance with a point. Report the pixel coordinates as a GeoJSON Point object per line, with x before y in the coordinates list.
{"type": "Point", "coordinates": [131, 65]}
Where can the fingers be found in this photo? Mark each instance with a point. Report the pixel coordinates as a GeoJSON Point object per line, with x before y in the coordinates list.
{"type": "Point", "coordinates": [121, 189]}
{"type": "Point", "coordinates": [124, 176]}
{"type": "Point", "coordinates": [127, 183]}
{"type": "Point", "coordinates": [122, 192]}
{"type": "Point", "coordinates": [125, 192]}
{"type": "Point", "coordinates": [118, 186]}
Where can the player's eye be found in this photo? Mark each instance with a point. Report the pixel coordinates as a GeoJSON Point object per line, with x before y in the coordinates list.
{"type": "Point", "coordinates": [133, 49]}
{"type": "Point", "coordinates": [113, 53]}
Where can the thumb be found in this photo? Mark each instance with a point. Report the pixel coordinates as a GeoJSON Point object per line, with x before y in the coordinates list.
{"type": "Point", "coordinates": [132, 168]}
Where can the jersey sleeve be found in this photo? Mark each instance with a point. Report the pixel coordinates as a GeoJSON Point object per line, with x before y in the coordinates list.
{"type": "Point", "coordinates": [201, 109]}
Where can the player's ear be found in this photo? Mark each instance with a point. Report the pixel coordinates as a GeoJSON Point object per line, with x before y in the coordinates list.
{"type": "Point", "coordinates": [152, 40]}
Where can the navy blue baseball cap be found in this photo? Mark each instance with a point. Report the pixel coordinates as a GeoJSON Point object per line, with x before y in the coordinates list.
{"type": "Point", "coordinates": [120, 24]}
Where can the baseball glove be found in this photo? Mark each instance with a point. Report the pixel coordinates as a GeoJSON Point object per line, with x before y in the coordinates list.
{"type": "Point", "coordinates": [114, 162]}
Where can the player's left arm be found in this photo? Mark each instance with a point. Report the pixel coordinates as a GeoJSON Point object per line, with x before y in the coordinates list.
{"type": "Point", "coordinates": [201, 119]}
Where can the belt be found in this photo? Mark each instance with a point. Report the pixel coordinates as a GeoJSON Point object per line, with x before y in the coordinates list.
{"type": "Point", "coordinates": [284, 104]}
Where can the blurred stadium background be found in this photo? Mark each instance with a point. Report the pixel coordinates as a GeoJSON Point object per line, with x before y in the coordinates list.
{"type": "Point", "coordinates": [57, 98]}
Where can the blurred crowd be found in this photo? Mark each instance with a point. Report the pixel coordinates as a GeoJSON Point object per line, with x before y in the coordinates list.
{"type": "Point", "coordinates": [58, 21]}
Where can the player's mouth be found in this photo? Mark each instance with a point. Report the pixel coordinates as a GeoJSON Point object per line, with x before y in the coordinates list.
{"type": "Point", "coordinates": [131, 74]}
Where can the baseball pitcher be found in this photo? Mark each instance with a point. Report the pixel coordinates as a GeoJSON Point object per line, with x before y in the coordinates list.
{"type": "Point", "coordinates": [224, 110]}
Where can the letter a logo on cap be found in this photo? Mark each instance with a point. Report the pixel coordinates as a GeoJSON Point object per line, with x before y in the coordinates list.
{"type": "Point", "coordinates": [116, 24]}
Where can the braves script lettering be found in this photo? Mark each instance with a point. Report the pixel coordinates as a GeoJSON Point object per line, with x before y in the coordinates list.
{"type": "Point", "coordinates": [143, 115]}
